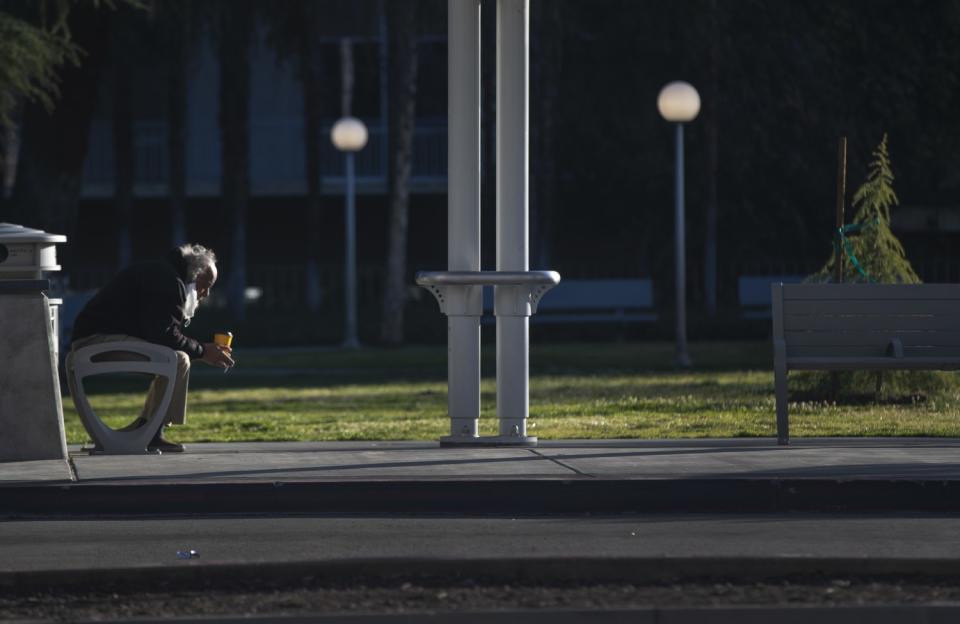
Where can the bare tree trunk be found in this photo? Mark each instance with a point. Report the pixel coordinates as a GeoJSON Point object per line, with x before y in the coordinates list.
{"type": "Point", "coordinates": [236, 31]}
{"type": "Point", "coordinates": [310, 77]}
{"type": "Point", "coordinates": [383, 66]}
{"type": "Point", "coordinates": [711, 125]}
{"type": "Point", "coordinates": [177, 136]}
{"type": "Point", "coordinates": [10, 136]}
{"type": "Point", "coordinates": [123, 151]}
{"type": "Point", "coordinates": [403, 86]}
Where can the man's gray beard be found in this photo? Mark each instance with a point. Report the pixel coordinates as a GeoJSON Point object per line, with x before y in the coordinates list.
{"type": "Point", "coordinates": [191, 304]}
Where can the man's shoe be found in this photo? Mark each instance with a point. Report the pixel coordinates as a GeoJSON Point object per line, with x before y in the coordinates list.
{"type": "Point", "coordinates": [159, 443]}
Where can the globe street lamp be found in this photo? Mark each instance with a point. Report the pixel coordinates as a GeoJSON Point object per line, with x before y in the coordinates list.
{"type": "Point", "coordinates": [349, 135]}
{"type": "Point", "coordinates": [679, 102]}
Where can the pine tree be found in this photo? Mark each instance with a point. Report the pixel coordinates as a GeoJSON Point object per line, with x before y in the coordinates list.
{"type": "Point", "coordinates": [871, 251]}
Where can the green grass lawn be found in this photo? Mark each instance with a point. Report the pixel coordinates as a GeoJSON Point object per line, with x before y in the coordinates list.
{"type": "Point", "coordinates": [615, 390]}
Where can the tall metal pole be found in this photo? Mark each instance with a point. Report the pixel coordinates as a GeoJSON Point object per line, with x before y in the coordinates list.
{"type": "Point", "coordinates": [838, 243]}
{"type": "Point", "coordinates": [682, 358]}
{"type": "Point", "coordinates": [350, 340]}
{"type": "Point", "coordinates": [513, 336]}
{"type": "Point", "coordinates": [463, 223]}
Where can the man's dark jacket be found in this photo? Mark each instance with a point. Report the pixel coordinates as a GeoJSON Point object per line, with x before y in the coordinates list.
{"type": "Point", "coordinates": [143, 300]}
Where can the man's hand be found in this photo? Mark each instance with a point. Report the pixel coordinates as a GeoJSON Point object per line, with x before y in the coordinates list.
{"type": "Point", "coordinates": [217, 355]}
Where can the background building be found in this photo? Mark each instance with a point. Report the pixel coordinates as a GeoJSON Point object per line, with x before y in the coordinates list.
{"type": "Point", "coordinates": [780, 84]}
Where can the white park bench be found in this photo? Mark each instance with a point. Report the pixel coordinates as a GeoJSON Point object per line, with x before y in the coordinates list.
{"type": "Point", "coordinates": [861, 327]}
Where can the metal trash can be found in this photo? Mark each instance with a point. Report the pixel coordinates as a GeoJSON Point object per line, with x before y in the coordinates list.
{"type": "Point", "coordinates": [31, 412]}
{"type": "Point", "coordinates": [26, 254]}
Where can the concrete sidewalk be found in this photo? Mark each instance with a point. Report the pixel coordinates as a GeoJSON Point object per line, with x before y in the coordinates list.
{"type": "Point", "coordinates": [564, 512]}
{"type": "Point", "coordinates": [739, 458]}
{"type": "Point", "coordinates": [825, 474]}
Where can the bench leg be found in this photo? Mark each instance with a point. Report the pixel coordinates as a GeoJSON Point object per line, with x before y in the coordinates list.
{"type": "Point", "coordinates": [780, 387]}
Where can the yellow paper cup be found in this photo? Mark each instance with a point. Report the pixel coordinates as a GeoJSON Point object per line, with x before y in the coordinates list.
{"type": "Point", "coordinates": [224, 339]}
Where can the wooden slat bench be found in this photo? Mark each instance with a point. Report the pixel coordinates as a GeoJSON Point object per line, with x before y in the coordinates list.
{"type": "Point", "coordinates": [591, 301]}
{"type": "Point", "coordinates": [862, 327]}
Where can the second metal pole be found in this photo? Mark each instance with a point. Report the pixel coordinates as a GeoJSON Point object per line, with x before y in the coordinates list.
{"type": "Point", "coordinates": [682, 358]}
{"type": "Point", "coordinates": [463, 223]}
{"type": "Point", "coordinates": [512, 210]}
{"type": "Point", "coordinates": [350, 340]}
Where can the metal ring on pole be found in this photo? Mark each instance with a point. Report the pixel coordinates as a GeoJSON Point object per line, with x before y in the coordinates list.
{"type": "Point", "coordinates": [459, 292]}
{"type": "Point", "coordinates": [487, 278]}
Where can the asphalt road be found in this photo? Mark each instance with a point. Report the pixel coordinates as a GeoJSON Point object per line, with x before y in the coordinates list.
{"type": "Point", "coordinates": [679, 568]}
{"type": "Point", "coordinates": [31, 545]}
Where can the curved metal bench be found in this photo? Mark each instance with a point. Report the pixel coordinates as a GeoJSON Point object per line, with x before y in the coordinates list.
{"type": "Point", "coordinates": [84, 362]}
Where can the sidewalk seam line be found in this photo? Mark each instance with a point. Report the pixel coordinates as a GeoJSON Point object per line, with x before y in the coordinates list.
{"type": "Point", "coordinates": [559, 463]}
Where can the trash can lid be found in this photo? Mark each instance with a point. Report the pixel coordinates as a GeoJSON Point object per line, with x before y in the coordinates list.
{"type": "Point", "coordinates": [13, 233]}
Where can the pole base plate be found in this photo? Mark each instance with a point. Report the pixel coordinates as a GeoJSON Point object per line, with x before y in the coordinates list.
{"type": "Point", "coordinates": [521, 441]}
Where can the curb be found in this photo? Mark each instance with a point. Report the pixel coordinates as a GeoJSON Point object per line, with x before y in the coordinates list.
{"type": "Point", "coordinates": [194, 573]}
{"type": "Point", "coordinates": [880, 614]}
{"type": "Point", "coordinates": [485, 497]}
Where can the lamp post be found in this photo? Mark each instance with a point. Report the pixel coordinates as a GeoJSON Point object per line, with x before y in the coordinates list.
{"type": "Point", "coordinates": [679, 102]}
{"type": "Point", "coordinates": [349, 135]}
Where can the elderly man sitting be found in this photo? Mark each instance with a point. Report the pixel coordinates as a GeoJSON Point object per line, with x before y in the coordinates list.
{"type": "Point", "coordinates": [153, 302]}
